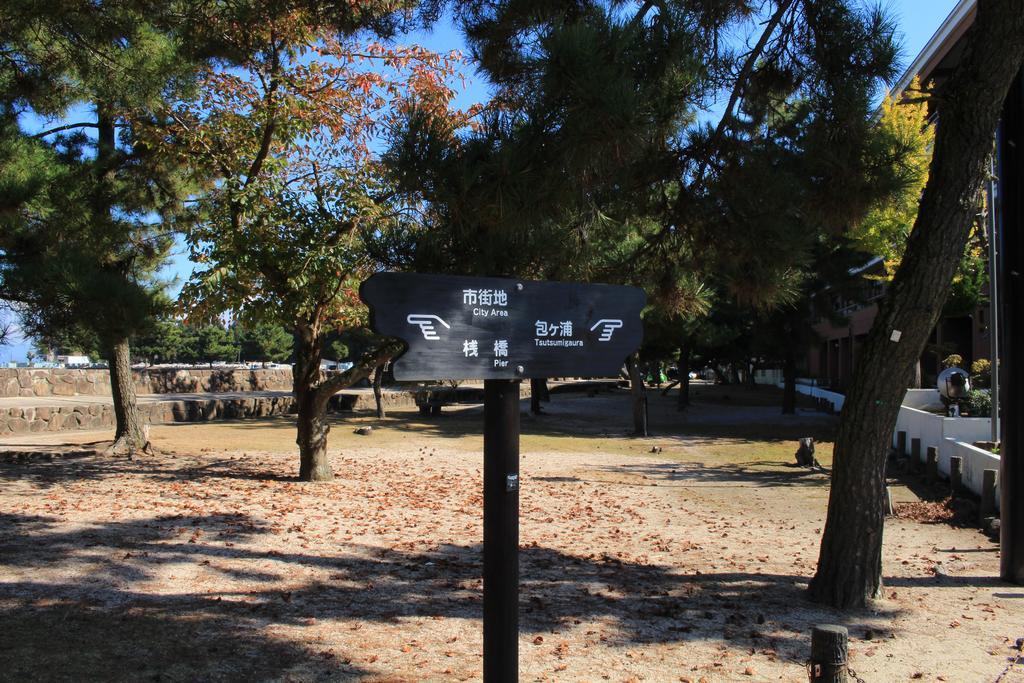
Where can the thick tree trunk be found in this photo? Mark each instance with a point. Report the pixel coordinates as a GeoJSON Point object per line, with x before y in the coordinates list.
{"type": "Point", "coordinates": [378, 394]}
{"type": "Point", "coordinates": [639, 395]}
{"type": "Point", "coordinates": [131, 435]}
{"type": "Point", "coordinates": [850, 562]}
{"type": "Point", "coordinates": [314, 464]}
{"type": "Point", "coordinates": [311, 423]}
{"type": "Point", "coordinates": [313, 393]}
{"type": "Point", "coordinates": [789, 382]}
{"type": "Point", "coordinates": [684, 379]}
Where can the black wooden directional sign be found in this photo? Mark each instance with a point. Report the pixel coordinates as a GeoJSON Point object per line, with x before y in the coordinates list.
{"type": "Point", "coordinates": [490, 328]}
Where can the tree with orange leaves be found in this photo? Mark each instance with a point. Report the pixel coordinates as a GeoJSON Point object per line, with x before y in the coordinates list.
{"type": "Point", "coordinates": [289, 137]}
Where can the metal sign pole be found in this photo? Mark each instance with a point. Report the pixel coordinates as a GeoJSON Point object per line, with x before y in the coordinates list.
{"type": "Point", "coordinates": [501, 530]}
{"type": "Point", "coordinates": [502, 331]}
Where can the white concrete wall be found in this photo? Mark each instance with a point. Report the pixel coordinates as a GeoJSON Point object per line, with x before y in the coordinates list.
{"type": "Point", "coordinates": [951, 435]}
{"type": "Point", "coordinates": [976, 461]}
{"type": "Point", "coordinates": [923, 399]}
{"type": "Point", "coordinates": [936, 430]}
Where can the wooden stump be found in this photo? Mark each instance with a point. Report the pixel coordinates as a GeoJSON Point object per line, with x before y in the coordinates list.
{"type": "Point", "coordinates": [988, 493]}
{"type": "Point", "coordinates": [932, 464]}
{"type": "Point", "coordinates": [829, 654]}
{"type": "Point", "coordinates": [915, 454]}
{"type": "Point", "coordinates": [956, 475]}
{"type": "Point", "coordinates": [901, 444]}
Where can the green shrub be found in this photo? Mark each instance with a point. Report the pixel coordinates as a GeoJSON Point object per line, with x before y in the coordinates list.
{"type": "Point", "coordinates": [978, 403]}
{"type": "Point", "coordinates": [981, 373]}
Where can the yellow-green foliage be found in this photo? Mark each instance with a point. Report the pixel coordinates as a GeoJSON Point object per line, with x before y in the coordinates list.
{"type": "Point", "coordinates": [953, 360]}
{"type": "Point", "coordinates": [885, 229]}
{"type": "Point", "coordinates": [981, 373]}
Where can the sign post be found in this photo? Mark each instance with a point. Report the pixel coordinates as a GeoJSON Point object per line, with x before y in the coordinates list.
{"type": "Point", "coordinates": [502, 331]}
{"type": "Point", "coordinates": [501, 530]}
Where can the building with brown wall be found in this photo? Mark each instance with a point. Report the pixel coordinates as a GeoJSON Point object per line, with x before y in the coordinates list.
{"type": "Point", "coordinates": [832, 360]}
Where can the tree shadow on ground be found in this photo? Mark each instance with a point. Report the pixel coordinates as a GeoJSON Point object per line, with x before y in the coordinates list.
{"type": "Point", "coordinates": [58, 465]}
{"type": "Point", "coordinates": [52, 468]}
{"type": "Point", "coordinates": [609, 416]}
{"type": "Point", "coordinates": [107, 618]}
{"type": "Point", "coordinates": [758, 473]}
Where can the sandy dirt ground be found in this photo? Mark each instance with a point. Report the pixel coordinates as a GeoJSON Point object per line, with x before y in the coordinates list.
{"type": "Point", "coordinates": [208, 561]}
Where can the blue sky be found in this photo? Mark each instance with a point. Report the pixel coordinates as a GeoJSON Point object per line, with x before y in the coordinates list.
{"type": "Point", "coordinates": [917, 21]}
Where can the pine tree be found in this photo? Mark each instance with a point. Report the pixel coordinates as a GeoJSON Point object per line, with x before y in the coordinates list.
{"type": "Point", "coordinates": [591, 163]}
{"type": "Point", "coordinates": [162, 342]}
{"type": "Point", "coordinates": [849, 570]}
{"type": "Point", "coordinates": [80, 245]}
{"type": "Point", "coordinates": [266, 342]}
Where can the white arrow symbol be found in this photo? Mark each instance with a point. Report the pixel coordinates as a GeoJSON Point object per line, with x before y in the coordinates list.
{"type": "Point", "coordinates": [609, 328]}
{"type": "Point", "coordinates": [426, 323]}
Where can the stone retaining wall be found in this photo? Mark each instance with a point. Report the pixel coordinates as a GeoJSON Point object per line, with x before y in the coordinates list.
{"type": "Point", "coordinates": [98, 416]}
{"type": "Point", "coordinates": [95, 416]}
{"type": "Point", "coordinates": [36, 382]}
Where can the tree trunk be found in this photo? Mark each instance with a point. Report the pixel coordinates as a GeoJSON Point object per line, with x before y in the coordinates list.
{"type": "Point", "coordinates": [313, 393]}
{"type": "Point", "coordinates": [131, 435]}
{"type": "Point", "coordinates": [378, 397]}
{"type": "Point", "coordinates": [311, 421]}
{"type": "Point", "coordinates": [536, 394]}
{"type": "Point", "coordinates": [314, 464]}
{"type": "Point", "coordinates": [684, 379]}
{"type": "Point", "coordinates": [850, 562]}
{"type": "Point", "coordinates": [789, 381]}
{"type": "Point", "coordinates": [639, 394]}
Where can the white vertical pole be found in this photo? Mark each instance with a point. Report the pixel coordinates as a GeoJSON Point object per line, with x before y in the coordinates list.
{"type": "Point", "coordinates": [993, 259]}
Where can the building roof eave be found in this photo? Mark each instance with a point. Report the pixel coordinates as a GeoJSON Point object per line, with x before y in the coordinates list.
{"type": "Point", "coordinates": [940, 44]}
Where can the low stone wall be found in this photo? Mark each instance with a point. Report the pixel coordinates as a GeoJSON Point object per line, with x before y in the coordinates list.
{"type": "Point", "coordinates": [53, 382]}
{"type": "Point", "coordinates": [212, 380]}
{"type": "Point", "coordinates": [39, 382]}
{"type": "Point", "coordinates": [17, 421]}
{"type": "Point", "coordinates": [95, 416]}
{"type": "Point", "coordinates": [363, 401]}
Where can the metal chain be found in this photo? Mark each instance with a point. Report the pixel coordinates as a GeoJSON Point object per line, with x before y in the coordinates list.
{"type": "Point", "coordinates": [1015, 662]}
{"type": "Point", "coordinates": [813, 669]}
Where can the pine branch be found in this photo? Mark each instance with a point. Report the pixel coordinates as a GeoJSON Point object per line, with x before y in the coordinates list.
{"type": "Point", "coordinates": [68, 126]}
{"type": "Point", "coordinates": [741, 81]}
